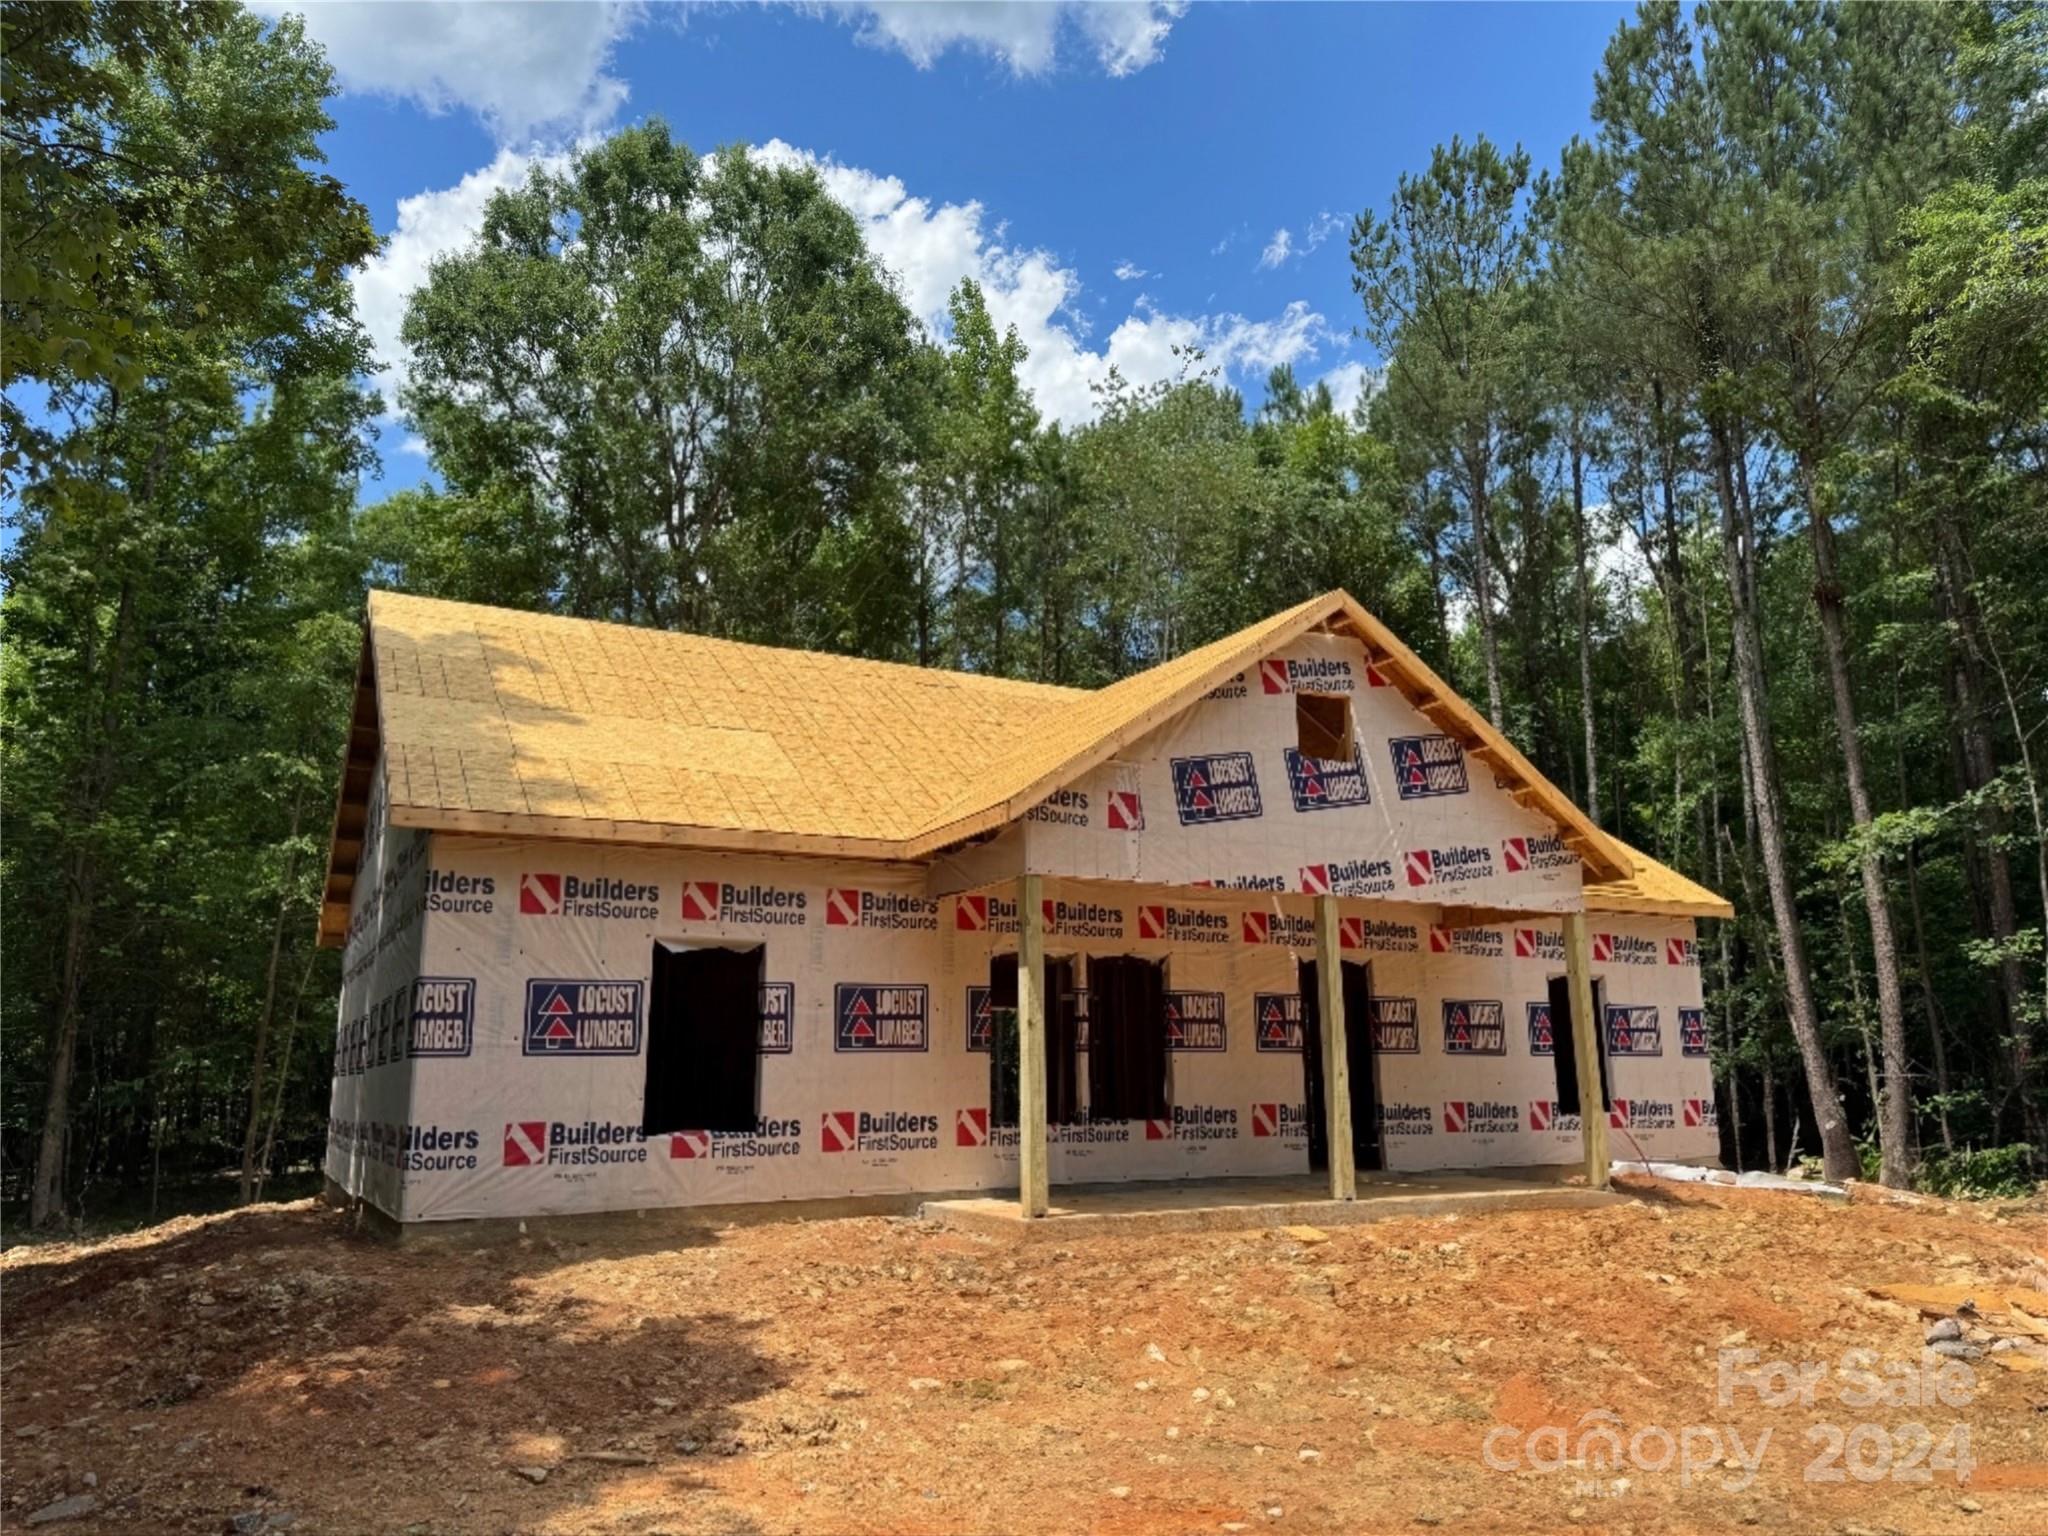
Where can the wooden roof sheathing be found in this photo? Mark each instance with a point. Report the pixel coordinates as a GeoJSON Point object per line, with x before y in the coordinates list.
{"type": "Point", "coordinates": [499, 721]}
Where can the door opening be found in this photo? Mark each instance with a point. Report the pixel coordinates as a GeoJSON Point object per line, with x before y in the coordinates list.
{"type": "Point", "coordinates": [1360, 1058]}
{"type": "Point", "coordinates": [1062, 1041]}
{"type": "Point", "coordinates": [703, 1040]}
{"type": "Point", "coordinates": [1564, 1045]}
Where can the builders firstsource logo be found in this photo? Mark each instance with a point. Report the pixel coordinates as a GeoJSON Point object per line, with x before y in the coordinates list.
{"type": "Point", "coordinates": [1623, 949]}
{"type": "Point", "coordinates": [1223, 786]}
{"type": "Point", "coordinates": [1452, 864]}
{"type": "Point", "coordinates": [448, 891]}
{"type": "Point", "coordinates": [1701, 1115]}
{"type": "Point", "coordinates": [873, 1131]}
{"type": "Point", "coordinates": [1642, 1115]}
{"type": "Point", "coordinates": [847, 907]}
{"type": "Point", "coordinates": [1518, 855]}
{"type": "Point", "coordinates": [581, 1144]}
{"type": "Point", "coordinates": [1061, 808]}
{"type": "Point", "coordinates": [582, 1018]}
{"type": "Point", "coordinates": [984, 914]}
{"type": "Point", "coordinates": [1481, 1117]}
{"type": "Point", "coordinates": [1279, 1121]}
{"type": "Point", "coordinates": [1427, 766]}
{"type": "Point", "coordinates": [1348, 877]}
{"type": "Point", "coordinates": [767, 1139]}
{"type": "Point", "coordinates": [1405, 1120]}
{"type": "Point", "coordinates": [1277, 928]}
{"type": "Point", "coordinates": [1679, 951]}
{"type": "Point", "coordinates": [1539, 944]}
{"type": "Point", "coordinates": [1197, 1122]}
{"type": "Point", "coordinates": [1083, 920]}
{"type": "Point", "coordinates": [1544, 1115]}
{"type": "Point", "coordinates": [1310, 674]}
{"type": "Point", "coordinates": [744, 906]}
{"type": "Point", "coordinates": [551, 895]}
{"type": "Point", "coordinates": [433, 1149]}
{"type": "Point", "coordinates": [1692, 1031]}
{"type": "Point", "coordinates": [881, 1017]}
{"type": "Point", "coordinates": [1377, 935]}
{"type": "Point", "coordinates": [1481, 943]}
{"type": "Point", "coordinates": [1183, 925]}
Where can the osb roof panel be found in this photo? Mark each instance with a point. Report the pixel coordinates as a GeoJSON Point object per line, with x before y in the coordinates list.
{"type": "Point", "coordinates": [1656, 890]}
{"type": "Point", "coordinates": [492, 710]}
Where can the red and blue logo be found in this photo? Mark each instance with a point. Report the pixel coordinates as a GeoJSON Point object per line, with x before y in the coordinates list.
{"type": "Point", "coordinates": [1222, 786]}
{"type": "Point", "coordinates": [1427, 766]}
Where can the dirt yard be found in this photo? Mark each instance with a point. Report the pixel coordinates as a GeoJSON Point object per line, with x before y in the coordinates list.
{"type": "Point", "coordinates": [269, 1371]}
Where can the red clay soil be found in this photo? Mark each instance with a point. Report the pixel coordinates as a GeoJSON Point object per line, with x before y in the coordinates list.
{"type": "Point", "coordinates": [270, 1370]}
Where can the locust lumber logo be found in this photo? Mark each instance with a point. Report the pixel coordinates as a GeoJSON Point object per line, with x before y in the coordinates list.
{"type": "Point", "coordinates": [981, 1018]}
{"type": "Point", "coordinates": [1702, 1115]}
{"type": "Point", "coordinates": [1195, 1022]}
{"type": "Point", "coordinates": [582, 1018]}
{"type": "Point", "coordinates": [765, 1139]}
{"type": "Point", "coordinates": [984, 914]}
{"type": "Point", "coordinates": [1278, 928]}
{"type": "Point", "coordinates": [1061, 808]}
{"type": "Point", "coordinates": [1396, 1026]}
{"type": "Point", "coordinates": [1277, 1022]}
{"type": "Point", "coordinates": [1283, 1122]}
{"type": "Point", "coordinates": [1542, 1038]}
{"type": "Point", "coordinates": [1539, 944]}
{"type": "Point", "coordinates": [1544, 1115]}
{"type": "Point", "coordinates": [1623, 949]}
{"type": "Point", "coordinates": [554, 895]}
{"type": "Point", "coordinates": [1518, 855]}
{"type": "Point", "coordinates": [1311, 674]}
{"type": "Point", "coordinates": [1692, 1031]}
{"type": "Point", "coordinates": [1348, 877]}
{"type": "Point", "coordinates": [577, 1144]}
{"type": "Point", "coordinates": [1679, 951]}
{"type": "Point", "coordinates": [1634, 1029]}
{"type": "Point", "coordinates": [1483, 943]}
{"type": "Point", "coordinates": [1183, 925]}
{"type": "Point", "coordinates": [752, 906]}
{"type": "Point", "coordinates": [1481, 1117]}
{"type": "Point", "coordinates": [1474, 1026]}
{"type": "Point", "coordinates": [1222, 786]}
{"type": "Point", "coordinates": [1405, 1120]}
{"type": "Point", "coordinates": [846, 907]}
{"type": "Point", "coordinates": [1642, 1115]}
{"type": "Point", "coordinates": [1126, 811]}
{"type": "Point", "coordinates": [1083, 919]}
{"type": "Point", "coordinates": [443, 1016]}
{"type": "Point", "coordinates": [881, 1017]}
{"type": "Point", "coordinates": [448, 891]}
{"type": "Point", "coordinates": [871, 1131]}
{"type": "Point", "coordinates": [1452, 864]}
{"type": "Point", "coordinates": [1326, 784]}
{"type": "Point", "coordinates": [778, 1018]}
{"type": "Point", "coordinates": [1427, 766]}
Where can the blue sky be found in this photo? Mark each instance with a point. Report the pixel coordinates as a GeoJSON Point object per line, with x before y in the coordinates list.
{"type": "Point", "coordinates": [1121, 178]}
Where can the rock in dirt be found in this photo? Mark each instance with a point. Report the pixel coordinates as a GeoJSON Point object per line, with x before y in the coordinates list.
{"type": "Point", "coordinates": [73, 1508]}
{"type": "Point", "coordinates": [534, 1475]}
{"type": "Point", "coordinates": [1309, 1235]}
{"type": "Point", "coordinates": [1947, 1328]}
{"type": "Point", "coordinates": [1956, 1349]}
{"type": "Point", "coordinates": [845, 1389]}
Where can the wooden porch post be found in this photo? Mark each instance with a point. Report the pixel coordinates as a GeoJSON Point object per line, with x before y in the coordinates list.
{"type": "Point", "coordinates": [1336, 1058]}
{"type": "Point", "coordinates": [1033, 1183]}
{"type": "Point", "coordinates": [1578, 967]}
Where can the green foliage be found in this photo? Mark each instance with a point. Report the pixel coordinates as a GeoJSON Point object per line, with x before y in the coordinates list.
{"type": "Point", "coordinates": [1989, 1173]}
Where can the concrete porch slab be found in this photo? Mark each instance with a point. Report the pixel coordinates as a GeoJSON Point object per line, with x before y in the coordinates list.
{"type": "Point", "coordinates": [1211, 1205]}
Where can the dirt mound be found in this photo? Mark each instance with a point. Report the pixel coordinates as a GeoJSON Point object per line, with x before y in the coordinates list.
{"type": "Point", "coordinates": [267, 1370]}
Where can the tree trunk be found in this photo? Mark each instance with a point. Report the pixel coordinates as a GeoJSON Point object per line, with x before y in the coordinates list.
{"type": "Point", "coordinates": [1585, 584]}
{"type": "Point", "coordinates": [1770, 1118]}
{"type": "Point", "coordinates": [1895, 1106]}
{"type": "Point", "coordinates": [259, 1051]}
{"type": "Point", "coordinates": [1482, 578]}
{"type": "Point", "coordinates": [46, 1197]}
{"type": "Point", "coordinates": [1838, 1152]}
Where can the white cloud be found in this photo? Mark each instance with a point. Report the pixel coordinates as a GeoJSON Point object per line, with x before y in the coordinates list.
{"type": "Point", "coordinates": [430, 224]}
{"type": "Point", "coordinates": [1282, 248]}
{"type": "Point", "coordinates": [928, 248]}
{"type": "Point", "coordinates": [1352, 382]}
{"type": "Point", "coordinates": [1130, 272]}
{"type": "Point", "coordinates": [522, 68]}
{"type": "Point", "coordinates": [1124, 35]}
